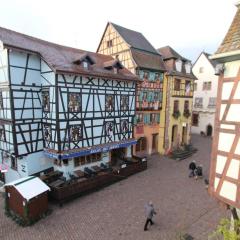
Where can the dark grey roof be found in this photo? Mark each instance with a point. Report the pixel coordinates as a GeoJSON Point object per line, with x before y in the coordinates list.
{"type": "Point", "coordinates": [135, 39]}
{"type": "Point", "coordinates": [63, 59]}
{"type": "Point", "coordinates": [148, 60]}
{"type": "Point", "coordinates": [168, 53]}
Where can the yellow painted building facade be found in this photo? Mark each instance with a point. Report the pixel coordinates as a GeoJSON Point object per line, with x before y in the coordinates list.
{"type": "Point", "coordinates": [177, 101]}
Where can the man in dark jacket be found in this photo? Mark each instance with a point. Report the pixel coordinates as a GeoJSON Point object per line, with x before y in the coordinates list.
{"type": "Point", "coordinates": [149, 210]}
{"type": "Point", "coordinates": [192, 168]}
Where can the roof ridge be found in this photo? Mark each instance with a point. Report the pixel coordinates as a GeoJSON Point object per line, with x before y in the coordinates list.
{"type": "Point", "coordinates": [41, 41]}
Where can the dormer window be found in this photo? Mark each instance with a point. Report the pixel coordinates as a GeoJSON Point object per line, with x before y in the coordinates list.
{"type": "Point", "coordinates": [115, 70]}
{"type": "Point", "coordinates": [85, 64]}
{"type": "Point", "coordinates": [188, 67]}
{"type": "Point", "coordinates": [114, 65]}
{"type": "Point", "coordinates": [84, 60]}
{"type": "Point", "coordinates": [179, 65]}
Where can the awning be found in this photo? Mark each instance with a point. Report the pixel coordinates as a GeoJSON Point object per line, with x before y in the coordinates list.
{"type": "Point", "coordinates": [90, 150]}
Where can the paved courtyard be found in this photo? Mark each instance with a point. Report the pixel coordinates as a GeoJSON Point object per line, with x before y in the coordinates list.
{"type": "Point", "coordinates": [117, 212]}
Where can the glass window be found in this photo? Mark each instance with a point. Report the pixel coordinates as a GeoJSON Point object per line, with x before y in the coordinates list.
{"type": "Point", "coordinates": [179, 65]}
{"type": "Point", "coordinates": [176, 106]}
{"type": "Point", "coordinates": [74, 102]}
{"type": "Point", "coordinates": [212, 102]}
{"type": "Point", "coordinates": [124, 126]}
{"type": "Point", "coordinates": [177, 83]}
{"type": "Point", "coordinates": [109, 103]}
{"type": "Point", "coordinates": [201, 69]}
{"type": "Point", "coordinates": [195, 119]}
{"type": "Point", "coordinates": [124, 102]}
{"type": "Point", "coordinates": [109, 43]}
{"type": "Point", "coordinates": [145, 75]}
{"type": "Point", "coordinates": [186, 105]}
{"type": "Point", "coordinates": [45, 100]}
{"type": "Point", "coordinates": [85, 64]}
{"type": "Point", "coordinates": [187, 88]}
{"type": "Point", "coordinates": [75, 133]}
{"type": "Point", "coordinates": [198, 102]}
{"type": "Point", "coordinates": [2, 133]}
{"type": "Point", "coordinates": [47, 132]}
{"type": "Point", "coordinates": [195, 86]}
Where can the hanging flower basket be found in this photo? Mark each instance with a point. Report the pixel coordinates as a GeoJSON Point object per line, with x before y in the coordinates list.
{"type": "Point", "coordinates": [176, 114]}
{"type": "Point", "coordinates": [186, 113]}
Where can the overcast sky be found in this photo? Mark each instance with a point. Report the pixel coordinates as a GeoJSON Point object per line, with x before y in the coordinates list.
{"type": "Point", "coordinates": [189, 26]}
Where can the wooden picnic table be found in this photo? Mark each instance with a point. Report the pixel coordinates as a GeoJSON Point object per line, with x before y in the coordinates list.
{"type": "Point", "coordinates": [79, 173]}
{"type": "Point", "coordinates": [96, 168]}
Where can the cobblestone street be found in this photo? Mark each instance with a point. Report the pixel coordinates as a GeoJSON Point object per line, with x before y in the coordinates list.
{"type": "Point", "coordinates": [117, 212]}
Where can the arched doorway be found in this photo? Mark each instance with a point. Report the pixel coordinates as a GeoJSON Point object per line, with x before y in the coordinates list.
{"type": "Point", "coordinates": [209, 130]}
{"type": "Point", "coordinates": [141, 145]}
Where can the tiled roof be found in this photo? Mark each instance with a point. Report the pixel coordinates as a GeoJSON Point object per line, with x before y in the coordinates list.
{"type": "Point", "coordinates": [134, 39]}
{"type": "Point", "coordinates": [169, 56]}
{"type": "Point", "coordinates": [148, 60]}
{"type": "Point", "coordinates": [62, 58]}
{"type": "Point", "coordinates": [231, 41]}
{"type": "Point", "coordinates": [168, 53]}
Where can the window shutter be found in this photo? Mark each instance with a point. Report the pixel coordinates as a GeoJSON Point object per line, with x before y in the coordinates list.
{"type": "Point", "coordinates": [158, 118]}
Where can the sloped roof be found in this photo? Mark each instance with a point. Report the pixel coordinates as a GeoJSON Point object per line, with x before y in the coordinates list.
{"type": "Point", "coordinates": [29, 187]}
{"type": "Point", "coordinates": [61, 58]}
{"type": "Point", "coordinates": [134, 39]}
{"type": "Point", "coordinates": [167, 53]}
{"type": "Point", "coordinates": [148, 60]}
{"type": "Point", "coordinates": [208, 56]}
{"type": "Point", "coordinates": [213, 62]}
{"type": "Point", "coordinates": [231, 41]}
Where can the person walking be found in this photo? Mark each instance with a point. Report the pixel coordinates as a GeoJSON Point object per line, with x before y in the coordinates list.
{"type": "Point", "coordinates": [149, 210]}
{"type": "Point", "coordinates": [192, 167]}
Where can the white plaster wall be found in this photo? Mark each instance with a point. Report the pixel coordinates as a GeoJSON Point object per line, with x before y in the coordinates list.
{"type": "Point", "coordinates": [207, 115]}
{"type": "Point", "coordinates": [37, 162]}
{"type": "Point", "coordinates": [204, 120]}
{"type": "Point", "coordinates": [3, 66]}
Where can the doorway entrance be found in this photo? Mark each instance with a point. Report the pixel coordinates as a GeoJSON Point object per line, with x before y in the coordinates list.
{"type": "Point", "coordinates": [141, 145]}
{"type": "Point", "coordinates": [184, 135]}
{"type": "Point", "coordinates": [209, 130]}
{"type": "Point", "coordinates": [174, 135]}
{"type": "Point", "coordinates": [117, 155]}
{"type": "Point", "coordinates": [154, 142]}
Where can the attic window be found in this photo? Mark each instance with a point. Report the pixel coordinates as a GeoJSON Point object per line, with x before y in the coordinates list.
{"type": "Point", "coordinates": [188, 67]}
{"type": "Point", "coordinates": [84, 60]}
{"type": "Point", "coordinates": [115, 70]}
{"type": "Point", "coordinates": [109, 43]}
{"type": "Point", "coordinates": [179, 65]}
{"type": "Point", "coordinates": [85, 64]}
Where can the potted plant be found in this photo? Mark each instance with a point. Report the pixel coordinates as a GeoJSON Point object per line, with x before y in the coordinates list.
{"type": "Point", "coordinates": [186, 113]}
{"type": "Point", "coordinates": [176, 114]}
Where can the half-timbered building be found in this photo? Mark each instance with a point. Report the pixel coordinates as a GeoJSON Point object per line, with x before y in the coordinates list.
{"type": "Point", "coordinates": [178, 96]}
{"type": "Point", "coordinates": [139, 56]}
{"type": "Point", "coordinates": [61, 108]}
{"type": "Point", "coordinates": [225, 161]}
